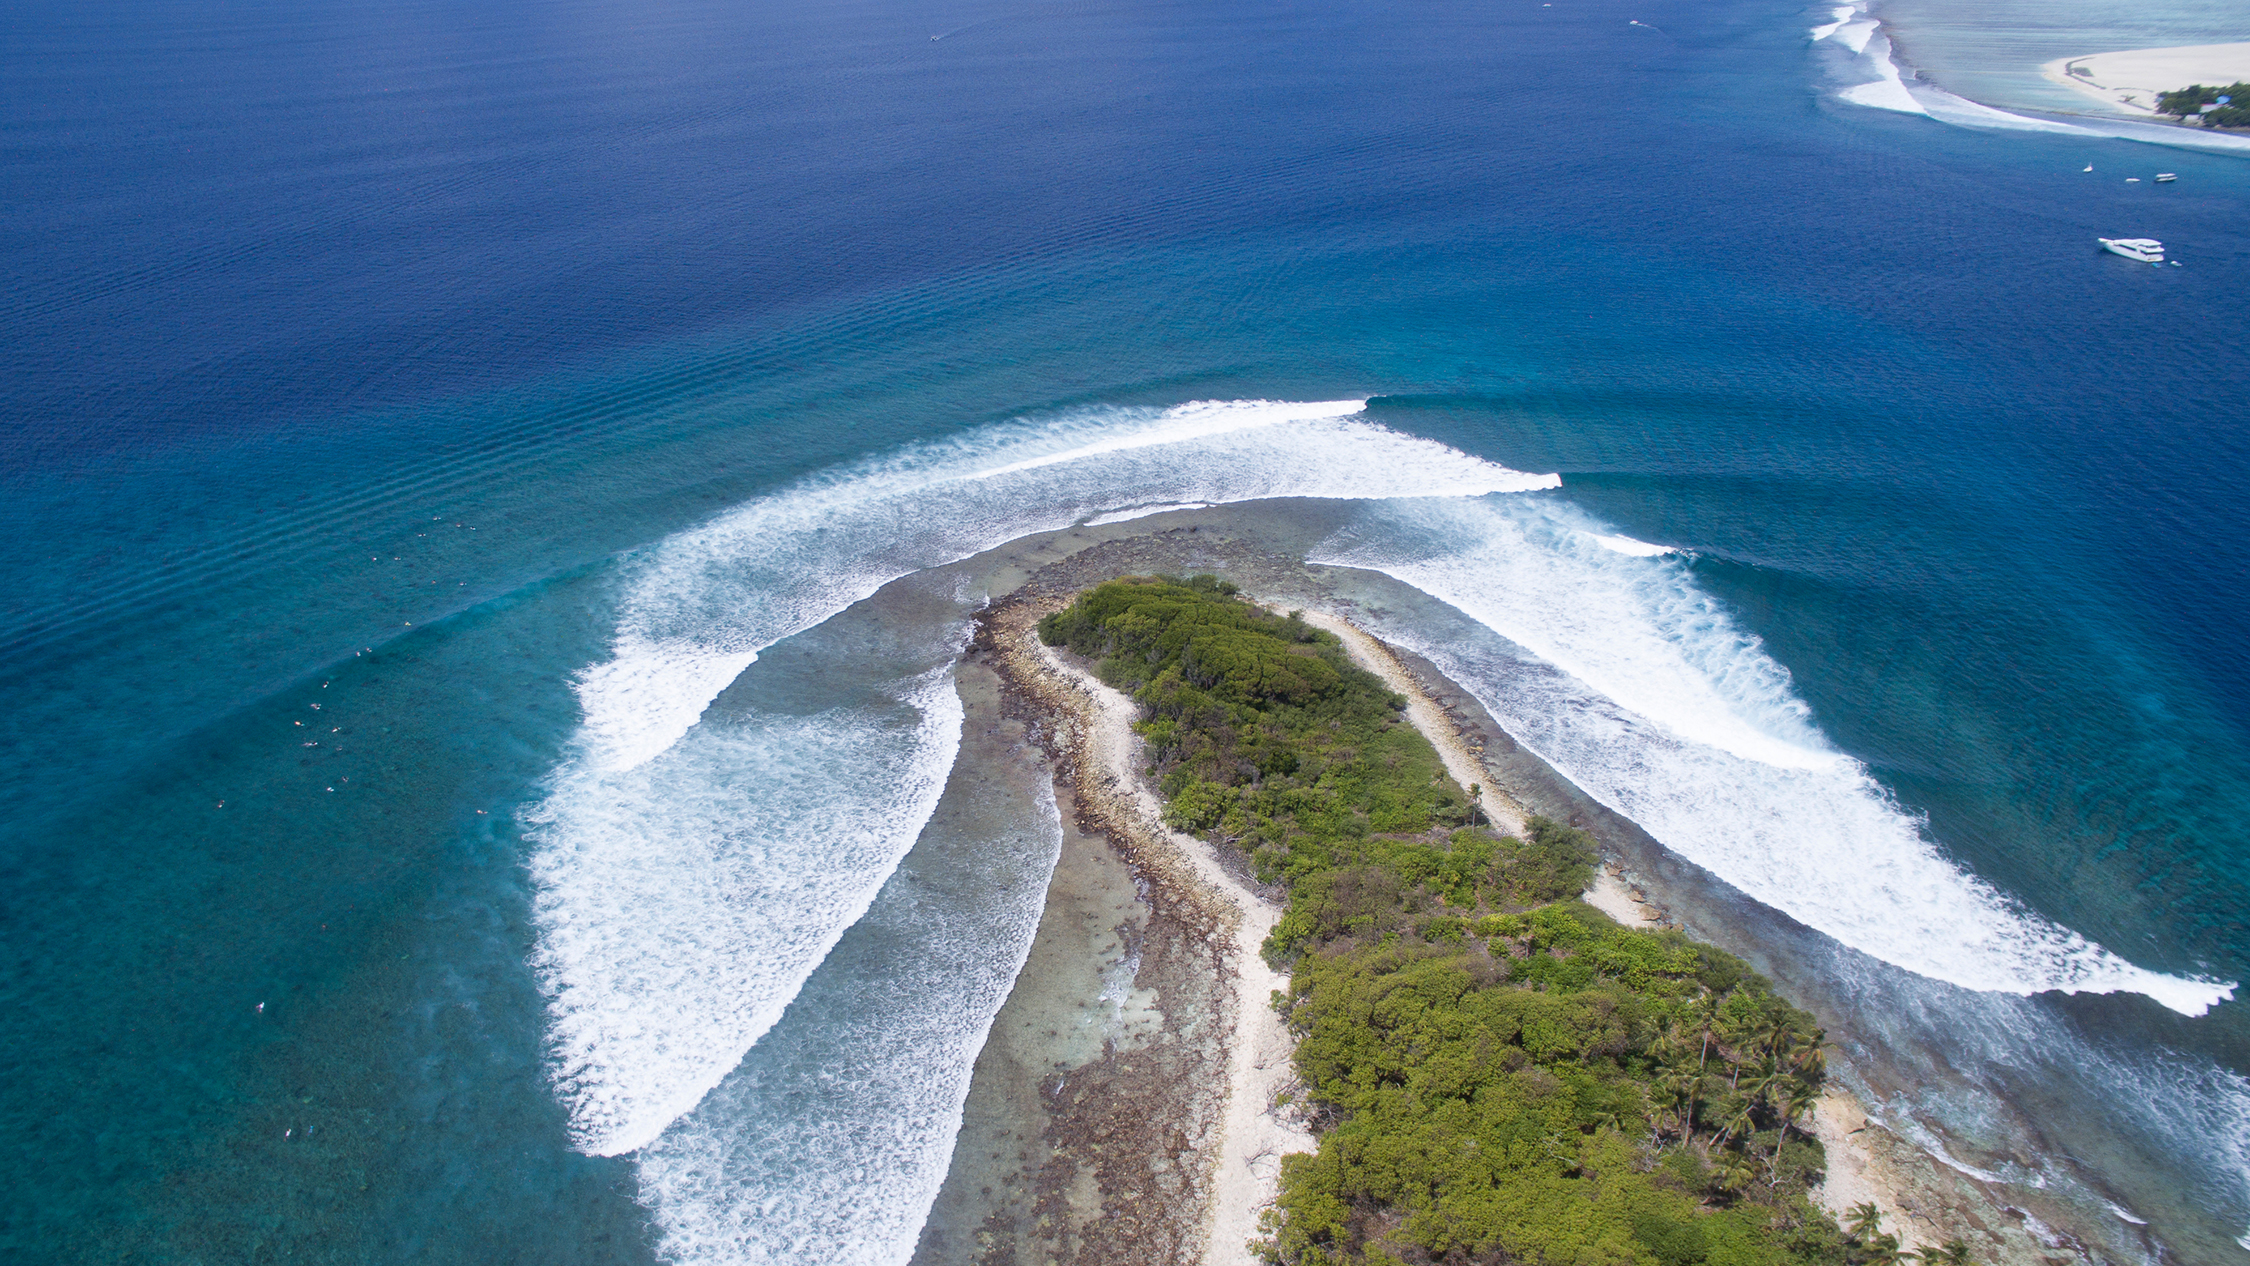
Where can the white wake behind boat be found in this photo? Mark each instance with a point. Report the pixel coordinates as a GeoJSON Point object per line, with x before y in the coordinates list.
{"type": "Point", "coordinates": [2147, 250]}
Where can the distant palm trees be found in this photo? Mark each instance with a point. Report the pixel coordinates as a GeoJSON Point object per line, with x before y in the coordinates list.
{"type": "Point", "coordinates": [1863, 1221]}
{"type": "Point", "coordinates": [1870, 1245]}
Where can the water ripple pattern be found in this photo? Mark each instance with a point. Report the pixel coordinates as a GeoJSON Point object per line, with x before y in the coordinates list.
{"type": "Point", "coordinates": [1648, 696]}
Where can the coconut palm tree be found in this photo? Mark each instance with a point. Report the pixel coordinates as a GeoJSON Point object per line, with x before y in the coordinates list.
{"type": "Point", "coordinates": [1742, 1121]}
{"type": "Point", "coordinates": [1795, 1100]}
{"type": "Point", "coordinates": [1668, 1093]}
{"type": "Point", "coordinates": [1736, 1173]}
{"type": "Point", "coordinates": [1807, 1051]}
{"type": "Point", "coordinates": [1771, 1031]}
{"type": "Point", "coordinates": [1701, 1087]}
{"type": "Point", "coordinates": [1766, 1082]}
{"type": "Point", "coordinates": [1883, 1250]}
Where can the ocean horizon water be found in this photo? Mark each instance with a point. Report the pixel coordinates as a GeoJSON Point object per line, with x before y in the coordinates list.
{"type": "Point", "coordinates": [489, 487]}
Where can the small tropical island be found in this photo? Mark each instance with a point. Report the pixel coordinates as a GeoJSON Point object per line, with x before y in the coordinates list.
{"type": "Point", "coordinates": [2149, 82]}
{"type": "Point", "coordinates": [1494, 1070]}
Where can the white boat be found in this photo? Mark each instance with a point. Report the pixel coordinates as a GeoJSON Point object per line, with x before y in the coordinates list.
{"type": "Point", "coordinates": [2166, 177]}
{"type": "Point", "coordinates": [2146, 250]}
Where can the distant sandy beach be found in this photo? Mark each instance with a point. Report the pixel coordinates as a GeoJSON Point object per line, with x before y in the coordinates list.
{"type": "Point", "coordinates": [2131, 80]}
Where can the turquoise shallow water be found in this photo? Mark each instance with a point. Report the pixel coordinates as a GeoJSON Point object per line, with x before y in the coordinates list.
{"type": "Point", "coordinates": [377, 383]}
{"type": "Point", "coordinates": [1992, 52]}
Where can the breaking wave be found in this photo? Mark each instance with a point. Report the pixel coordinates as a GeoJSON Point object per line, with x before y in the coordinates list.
{"type": "Point", "coordinates": [684, 900]}
{"type": "Point", "coordinates": [691, 876]}
{"type": "Point", "coordinates": [1865, 49]}
{"type": "Point", "coordinates": [832, 1148]}
{"type": "Point", "coordinates": [694, 865]}
{"type": "Point", "coordinates": [708, 600]}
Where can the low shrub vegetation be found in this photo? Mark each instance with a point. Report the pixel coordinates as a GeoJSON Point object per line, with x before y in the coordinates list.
{"type": "Point", "coordinates": [1498, 1072]}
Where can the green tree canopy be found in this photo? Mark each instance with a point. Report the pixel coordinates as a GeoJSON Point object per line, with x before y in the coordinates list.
{"type": "Point", "coordinates": [2189, 102]}
{"type": "Point", "coordinates": [1500, 1073]}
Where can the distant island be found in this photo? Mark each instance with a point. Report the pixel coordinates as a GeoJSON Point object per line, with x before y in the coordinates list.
{"type": "Point", "coordinates": [2226, 107]}
{"type": "Point", "coordinates": [1366, 981]}
{"type": "Point", "coordinates": [2162, 84]}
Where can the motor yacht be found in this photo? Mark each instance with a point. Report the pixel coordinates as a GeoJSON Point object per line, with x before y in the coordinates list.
{"type": "Point", "coordinates": [2166, 177]}
{"type": "Point", "coordinates": [2146, 250]}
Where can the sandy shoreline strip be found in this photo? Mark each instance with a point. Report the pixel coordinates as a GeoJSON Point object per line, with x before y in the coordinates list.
{"type": "Point", "coordinates": [2131, 80]}
{"type": "Point", "coordinates": [1856, 1172]}
{"type": "Point", "coordinates": [1256, 1131]}
{"type": "Point", "coordinates": [1464, 760]}
{"type": "Point", "coordinates": [1461, 759]}
{"type": "Point", "coordinates": [1921, 1203]}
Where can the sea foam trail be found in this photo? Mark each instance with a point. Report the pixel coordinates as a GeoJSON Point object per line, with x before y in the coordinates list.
{"type": "Point", "coordinates": [689, 882]}
{"type": "Point", "coordinates": [708, 600]}
{"type": "Point", "coordinates": [831, 1140]}
{"type": "Point", "coordinates": [683, 901]}
{"type": "Point", "coordinates": [1668, 712]}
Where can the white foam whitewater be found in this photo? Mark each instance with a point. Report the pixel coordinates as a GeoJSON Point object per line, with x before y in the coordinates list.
{"type": "Point", "coordinates": [1628, 546]}
{"type": "Point", "coordinates": [707, 601]}
{"type": "Point", "coordinates": [1667, 711]}
{"type": "Point", "coordinates": [684, 900]}
{"type": "Point", "coordinates": [694, 868]}
{"type": "Point", "coordinates": [691, 876]}
{"type": "Point", "coordinates": [834, 1150]}
{"type": "Point", "coordinates": [1849, 27]}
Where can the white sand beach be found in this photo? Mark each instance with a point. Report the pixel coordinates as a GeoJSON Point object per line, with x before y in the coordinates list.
{"type": "Point", "coordinates": [2131, 80]}
{"type": "Point", "coordinates": [1859, 1173]}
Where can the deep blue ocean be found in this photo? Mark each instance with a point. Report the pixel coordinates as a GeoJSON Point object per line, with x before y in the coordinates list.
{"type": "Point", "coordinates": [443, 445]}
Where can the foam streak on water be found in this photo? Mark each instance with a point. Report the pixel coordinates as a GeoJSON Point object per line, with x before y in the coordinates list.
{"type": "Point", "coordinates": [691, 877]}
{"type": "Point", "coordinates": [832, 1148]}
{"type": "Point", "coordinates": [1896, 86]}
{"type": "Point", "coordinates": [1668, 712]}
{"type": "Point", "coordinates": [707, 601]}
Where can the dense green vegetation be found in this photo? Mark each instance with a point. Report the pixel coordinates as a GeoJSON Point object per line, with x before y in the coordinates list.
{"type": "Point", "coordinates": [2189, 102]}
{"type": "Point", "coordinates": [1499, 1073]}
{"type": "Point", "coordinates": [1263, 733]}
